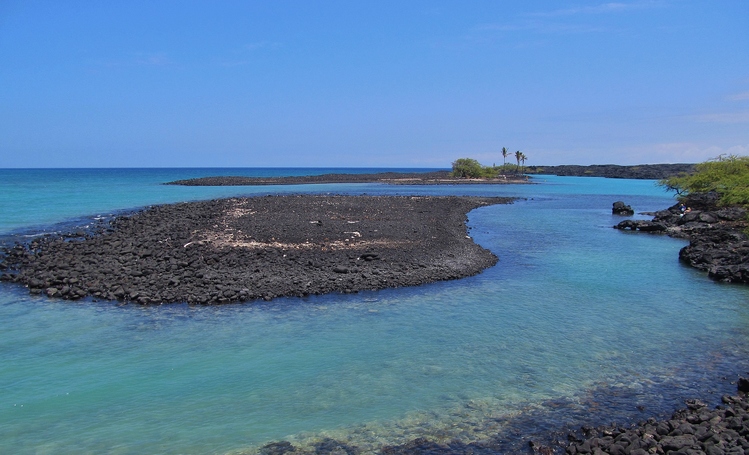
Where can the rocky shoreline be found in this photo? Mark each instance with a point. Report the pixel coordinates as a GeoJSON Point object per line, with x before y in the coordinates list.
{"type": "Point", "coordinates": [718, 243]}
{"type": "Point", "coordinates": [695, 429]}
{"type": "Point", "coordinates": [244, 249]}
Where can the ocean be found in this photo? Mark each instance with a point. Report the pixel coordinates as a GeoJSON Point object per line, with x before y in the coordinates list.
{"type": "Point", "coordinates": [577, 323]}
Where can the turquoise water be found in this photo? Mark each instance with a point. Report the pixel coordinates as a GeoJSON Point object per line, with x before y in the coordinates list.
{"type": "Point", "coordinates": [572, 305]}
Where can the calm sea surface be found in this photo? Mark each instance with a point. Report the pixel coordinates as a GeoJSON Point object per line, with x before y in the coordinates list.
{"type": "Point", "coordinates": [573, 308]}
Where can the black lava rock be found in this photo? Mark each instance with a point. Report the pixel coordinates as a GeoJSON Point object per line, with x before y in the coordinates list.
{"type": "Point", "coordinates": [620, 208]}
{"type": "Point", "coordinates": [718, 243]}
{"type": "Point", "coordinates": [242, 249]}
{"type": "Point", "coordinates": [693, 430]}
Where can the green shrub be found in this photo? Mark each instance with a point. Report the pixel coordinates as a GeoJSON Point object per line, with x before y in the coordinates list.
{"type": "Point", "coordinates": [727, 176]}
{"type": "Point", "coordinates": [472, 169]}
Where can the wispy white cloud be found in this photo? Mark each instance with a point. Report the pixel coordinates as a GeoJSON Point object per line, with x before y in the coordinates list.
{"type": "Point", "coordinates": [244, 55]}
{"type": "Point", "coordinates": [738, 150]}
{"type": "Point", "coordinates": [562, 21]}
{"type": "Point", "coordinates": [739, 97]}
{"type": "Point", "coordinates": [723, 117]}
{"type": "Point", "coordinates": [603, 8]}
{"type": "Point", "coordinates": [262, 45]}
{"type": "Point", "coordinates": [157, 59]}
{"type": "Point", "coordinates": [684, 152]}
{"type": "Point", "coordinates": [543, 27]}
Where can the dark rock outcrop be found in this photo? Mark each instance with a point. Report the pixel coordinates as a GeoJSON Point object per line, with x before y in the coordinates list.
{"type": "Point", "coordinates": [620, 208]}
{"type": "Point", "coordinates": [243, 249]}
{"type": "Point", "coordinates": [717, 241]}
{"type": "Point", "coordinates": [641, 225]}
{"type": "Point", "coordinates": [722, 252]}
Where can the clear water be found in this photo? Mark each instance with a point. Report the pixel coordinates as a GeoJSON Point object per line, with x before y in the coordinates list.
{"type": "Point", "coordinates": [572, 305]}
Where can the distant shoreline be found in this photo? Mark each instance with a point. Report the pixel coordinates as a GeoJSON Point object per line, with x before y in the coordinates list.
{"type": "Point", "coordinates": [615, 171]}
{"type": "Point", "coordinates": [644, 172]}
{"type": "Point", "coordinates": [391, 178]}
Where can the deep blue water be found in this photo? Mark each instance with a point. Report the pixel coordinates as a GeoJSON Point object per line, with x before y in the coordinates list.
{"type": "Point", "coordinates": [572, 307]}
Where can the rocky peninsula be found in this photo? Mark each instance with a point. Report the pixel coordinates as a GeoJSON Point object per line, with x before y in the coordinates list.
{"type": "Point", "coordinates": [718, 243]}
{"type": "Point", "coordinates": [244, 249]}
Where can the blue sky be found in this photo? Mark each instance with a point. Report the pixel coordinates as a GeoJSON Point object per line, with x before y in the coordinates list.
{"type": "Point", "coordinates": [370, 83]}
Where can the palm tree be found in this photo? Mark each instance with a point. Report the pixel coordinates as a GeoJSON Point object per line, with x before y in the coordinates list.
{"type": "Point", "coordinates": [504, 155]}
{"type": "Point", "coordinates": [522, 159]}
{"type": "Point", "coordinates": [518, 155]}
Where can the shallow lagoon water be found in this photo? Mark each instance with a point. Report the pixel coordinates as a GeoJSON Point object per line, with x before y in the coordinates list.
{"type": "Point", "coordinates": [572, 306]}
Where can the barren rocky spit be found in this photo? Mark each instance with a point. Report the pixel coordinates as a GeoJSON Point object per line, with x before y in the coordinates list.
{"type": "Point", "coordinates": [244, 249]}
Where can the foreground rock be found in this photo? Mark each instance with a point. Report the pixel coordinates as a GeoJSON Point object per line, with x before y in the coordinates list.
{"type": "Point", "coordinates": [717, 241]}
{"type": "Point", "coordinates": [243, 249]}
{"type": "Point", "coordinates": [693, 430]}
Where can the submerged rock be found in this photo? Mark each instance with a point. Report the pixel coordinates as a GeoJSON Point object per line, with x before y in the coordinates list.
{"type": "Point", "coordinates": [277, 448]}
